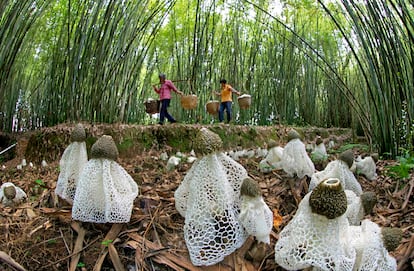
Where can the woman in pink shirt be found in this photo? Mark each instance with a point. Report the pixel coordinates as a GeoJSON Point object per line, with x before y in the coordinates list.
{"type": "Point", "coordinates": [165, 97]}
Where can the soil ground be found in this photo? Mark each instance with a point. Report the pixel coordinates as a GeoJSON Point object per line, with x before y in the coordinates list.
{"type": "Point", "coordinates": [39, 234]}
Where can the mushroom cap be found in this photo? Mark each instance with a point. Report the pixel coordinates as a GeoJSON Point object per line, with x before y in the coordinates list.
{"type": "Point", "coordinates": [391, 237]}
{"type": "Point", "coordinates": [78, 134]}
{"type": "Point", "coordinates": [375, 156]}
{"type": "Point", "coordinates": [104, 147]}
{"type": "Point", "coordinates": [207, 142]}
{"type": "Point", "coordinates": [272, 143]}
{"type": "Point", "coordinates": [250, 188]}
{"type": "Point", "coordinates": [319, 140]}
{"type": "Point", "coordinates": [9, 192]}
{"type": "Point", "coordinates": [293, 134]}
{"type": "Point", "coordinates": [328, 198]}
{"type": "Point", "coordinates": [348, 157]}
{"type": "Point", "coordinates": [368, 200]}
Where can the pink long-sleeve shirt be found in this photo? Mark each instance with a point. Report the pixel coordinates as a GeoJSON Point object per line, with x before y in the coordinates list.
{"type": "Point", "coordinates": [165, 90]}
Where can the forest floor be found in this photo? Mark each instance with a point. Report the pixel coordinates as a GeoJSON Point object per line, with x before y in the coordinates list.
{"type": "Point", "coordinates": [40, 234]}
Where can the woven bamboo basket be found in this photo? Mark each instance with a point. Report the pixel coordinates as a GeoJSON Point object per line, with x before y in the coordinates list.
{"type": "Point", "coordinates": [152, 106]}
{"type": "Point", "coordinates": [245, 101]}
{"type": "Point", "coordinates": [212, 107]}
{"type": "Point", "coordinates": [189, 101]}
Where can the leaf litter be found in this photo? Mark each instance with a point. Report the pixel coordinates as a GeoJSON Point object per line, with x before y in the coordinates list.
{"type": "Point", "coordinates": [40, 234]}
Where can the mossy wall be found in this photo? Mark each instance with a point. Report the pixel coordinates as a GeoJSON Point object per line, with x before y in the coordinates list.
{"type": "Point", "coordinates": [49, 143]}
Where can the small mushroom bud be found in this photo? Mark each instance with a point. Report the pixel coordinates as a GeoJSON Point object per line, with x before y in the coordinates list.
{"type": "Point", "coordinates": [9, 192]}
{"type": "Point", "coordinates": [78, 134]}
{"type": "Point", "coordinates": [319, 140]}
{"type": "Point", "coordinates": [293, 134]}
{"type": "Point", "coordinates": [250, 188]}
{"type": "Point", "coordinates": [368, 200]}
{"type": "Point", "coordinates": [207, 142]}
{"type": "Point", "coordinates": [348, 157]}
{"type": "Point", "coordinates": [105, 147]}
{"type": "Point", "coordinates": [328, 199]}
{"type": "Point", "coordinates": [391, 237]}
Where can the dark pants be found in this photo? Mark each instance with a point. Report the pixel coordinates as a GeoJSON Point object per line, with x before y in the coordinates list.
{"type": "Point", "coordinates": [163, 111]}
{"type": "Point", "coordinates": [225, 106]}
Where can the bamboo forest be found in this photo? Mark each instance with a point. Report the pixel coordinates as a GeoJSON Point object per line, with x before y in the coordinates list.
{"type": "Point", "coordinates": [346, 63]}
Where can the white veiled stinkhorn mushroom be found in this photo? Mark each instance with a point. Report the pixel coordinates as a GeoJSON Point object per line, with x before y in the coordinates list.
{"type": "Point", "coordinates": [273, 159]}
{"type": "Point", "coordinates": [340, 169]}
{"type": "Point", "coordinates": [73, 160]}
{"type": "Point", "coordinates": [172, 162]}
{"type": "Point", "coordinates": [319, 153]}
{"type": "Point", "coordinates": [105, 191]}
{"type": "Point", "coordinates": [255, 215]}
{"type": "Point", "coordinates": [313, 238]}
{"type": "Point", "coordinates": [372, 245]}
{"type": "Point", "coordinates": [319, 235]}
{"type": "Point", "coordinates": [295, 159]}
{"type": "Point", "coordinates": [366, 166]}
{"type": "Point", "coordinates": [359, 206]}
{"type": "Point", "coordinates": [11, 195]}
{"type": "Point", "coordinates": [261, 152]}
{"type": "Point", "coordinates": [209, 199]}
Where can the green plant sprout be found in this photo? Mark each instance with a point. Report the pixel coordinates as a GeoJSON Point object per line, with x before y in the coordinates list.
{"type": "Point", "coordinates": [52, 241]}
{"type": "Point", "coordinates": [106, 242]}
{"type": "Point", "coordinates": [40, 183]}
{"type": "Point", "coordinates": [403, 168]}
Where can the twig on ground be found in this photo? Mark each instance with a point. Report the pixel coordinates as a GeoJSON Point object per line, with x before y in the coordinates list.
{"type": "Point", "coordinates": [4, 257]}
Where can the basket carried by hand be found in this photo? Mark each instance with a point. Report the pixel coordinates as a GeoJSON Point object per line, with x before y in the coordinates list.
{"type": "Point", "coordinates": [245, 101]}
{"type": "Point", "coordinates": [189, 101]}
{"type": "Point", "coordinates": [212, 107]}
{"type": "Point", "coordinates": [152, 106]}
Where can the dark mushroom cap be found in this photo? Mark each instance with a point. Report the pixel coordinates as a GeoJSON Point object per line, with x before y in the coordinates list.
{"type": "Point", "coordinates": [348, 157]}
{"type": "Point", "coordinates": [9, 192]}
{"type": "Point", "coordinates": [328, 199]}
{"type": "Point", "coordinates": [78, 134]}
{"type": "Point", "coordinates": [368, 200]}
{"type": "Point", "coordinates": [293, 134]}
{"type": "Point", "coordinates": [272, 143]}
{"type": "Point", "coordinates": [250, 188]}
{"type": "Point", "coordinates": [319, 140]}
{"type": "Point", "coordinates": [391, 237]}
{"type": "Point", "coordinates": [104, 147]}
{"type": "Point", "coordinates": [207, 142]}
{"type": "Point", "coordinates": [375, 156]}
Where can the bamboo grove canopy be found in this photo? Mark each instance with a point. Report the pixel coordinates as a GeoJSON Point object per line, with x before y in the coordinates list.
{"type": "Point", "coordinates": [323, 63]}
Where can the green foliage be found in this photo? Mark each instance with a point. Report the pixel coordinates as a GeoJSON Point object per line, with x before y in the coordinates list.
{"type": "Point", "coordinates": [40, 183]}
{"type": "Point", "coordinates": [125, 144]}
{"type": "Point", "coordinates": [106, 242]}
{"type": "Point", "coordinates": [51, 241]}
{"type": "Point", "coordinates": [403, 168]}
{"type": "Point", "coordinates": [39, 186]}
